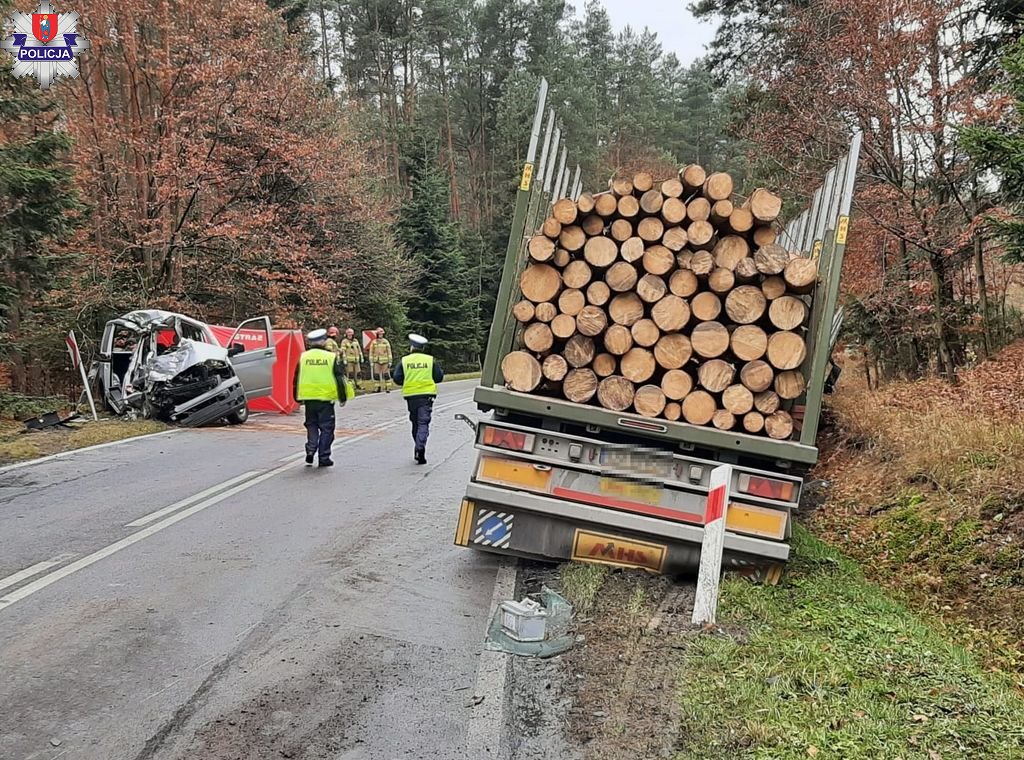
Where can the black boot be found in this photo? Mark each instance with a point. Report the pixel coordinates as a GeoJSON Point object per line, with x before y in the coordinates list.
{"type": "Point", "coordinates": [421, 456]}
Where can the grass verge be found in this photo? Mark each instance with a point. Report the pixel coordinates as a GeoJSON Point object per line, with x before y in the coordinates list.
{"type": "Point", "coordinates": [17, 446]}
{"type": "Point", "coordinates": [829, 665]}
{"type": "Point", "coordinates": [581, 581]}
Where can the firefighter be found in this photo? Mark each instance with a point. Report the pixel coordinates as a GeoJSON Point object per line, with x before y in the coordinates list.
{"type": "Point", "coordinates": [419, 373]}
{"type": "Point", "coordinates": [352, 355]}
{"type": "Point", "coordinates": [319, 383]}
{"type": "Point", "coordinates": [331, 344]}
{"type": "Point", "coordinates": [380, 360]}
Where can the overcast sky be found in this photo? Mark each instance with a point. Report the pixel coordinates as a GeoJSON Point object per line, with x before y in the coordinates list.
{"type": "Point", "coordinates": [677, 30]}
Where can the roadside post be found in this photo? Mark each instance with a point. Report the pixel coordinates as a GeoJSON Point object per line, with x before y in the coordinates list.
{"type": "Point", "coordinates": [705, 604]}
{"type": "Point", "coordinates": [76, 361]}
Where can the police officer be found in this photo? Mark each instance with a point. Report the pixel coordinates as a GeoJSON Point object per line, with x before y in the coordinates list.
{"type": "Point", "coordinates": [380, 360]}
{"type": "Point", "coordinates": [352, 355]}
{"type": "Point", "coordinates": [319, 383]}
{"type": "Point", "coordinates": [418, 373]}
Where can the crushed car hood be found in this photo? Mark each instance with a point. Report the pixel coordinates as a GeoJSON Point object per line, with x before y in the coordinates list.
{"type": "Point", "coordinates": [188, 354]}
{"type": "Point", "coordinates": [148, 319]}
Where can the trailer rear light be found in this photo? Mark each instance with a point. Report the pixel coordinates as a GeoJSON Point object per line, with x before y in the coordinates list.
{"type": "Point", "coordinates": [767, 488]}
{"type": "Point", "coordinates": [756, 521]}
{"type": "Point", "coordinates": [508, 439]}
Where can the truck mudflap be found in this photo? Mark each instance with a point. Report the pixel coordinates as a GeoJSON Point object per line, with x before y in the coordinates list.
{"type": "Point", "coordinates": [528, 525]}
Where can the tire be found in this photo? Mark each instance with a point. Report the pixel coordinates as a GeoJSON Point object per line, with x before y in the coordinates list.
{"type": "Point", "coordinates": [239, 417]}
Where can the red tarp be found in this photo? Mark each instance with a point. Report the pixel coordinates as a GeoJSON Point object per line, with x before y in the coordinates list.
{"type": "Point", "coordinates": [290, 345]}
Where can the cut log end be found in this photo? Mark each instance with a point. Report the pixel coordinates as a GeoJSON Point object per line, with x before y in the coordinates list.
{"type": "Point", "coordinates": [579, 351]}
{"type": "Point", "coordinates": [522, 372]}
{"type": "Point", "coordinates": [649, 401]}
{"type": "Point", "coordinates": [779, 425]}
{"type": "Point", "coordinates": [580, 385]}
{"type": "Point", "coordinates": [615, 393]}
{"type": "Point", "coordinates": [699, 407]}
{"type": "Point", "coordinates": [540, 282]}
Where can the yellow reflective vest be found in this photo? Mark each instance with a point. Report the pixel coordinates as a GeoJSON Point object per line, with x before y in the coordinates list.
{"type": "Point", "coordinates": [419, 375]}
{"type": "Point", "coordinates": [316, 376]}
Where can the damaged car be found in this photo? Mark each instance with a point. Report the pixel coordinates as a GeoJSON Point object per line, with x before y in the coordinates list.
{"type": "Point", "coordinates": [167, 366]}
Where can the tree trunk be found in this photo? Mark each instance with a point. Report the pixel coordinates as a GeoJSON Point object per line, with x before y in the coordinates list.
{"type": "Point", "coordinates": [521, 371]}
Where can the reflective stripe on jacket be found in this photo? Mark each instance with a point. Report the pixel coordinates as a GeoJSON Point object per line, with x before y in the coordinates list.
{"type": "Point", "coordinates": [419, 375]}
{"type": "Point", "coordinates": [316, 376]}
{"type": "Point", "coordinates": [351, 351]}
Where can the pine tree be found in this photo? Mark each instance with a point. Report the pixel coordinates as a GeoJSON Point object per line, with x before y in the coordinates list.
{"type": "Point", "coordinates": [442, 306]}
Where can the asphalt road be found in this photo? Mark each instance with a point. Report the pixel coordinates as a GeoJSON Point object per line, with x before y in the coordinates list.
{"type": "Point", "coordinates": [267, 610]}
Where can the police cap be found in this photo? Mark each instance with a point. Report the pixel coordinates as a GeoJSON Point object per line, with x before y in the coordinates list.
{"type": "Point", "coordinates": [417, 340]}
{"type": "Point", "coordinates": [316, 336]}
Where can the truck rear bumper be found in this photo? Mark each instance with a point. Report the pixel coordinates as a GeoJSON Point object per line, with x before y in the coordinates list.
{"type": "Point", "coordinates": [530, 525]}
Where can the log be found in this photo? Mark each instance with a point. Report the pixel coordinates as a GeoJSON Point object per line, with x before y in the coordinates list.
{"type": "Point", "coordinates": [563, 326]}
{"type": "Point", "coordinates": [720, 211]}
{"type": "Point", "coordinates": [521, 371]}
{"type": "Point", "coordinates": [651, 201]}
{"type": "Point", "coordinates": [779, 425]}
{"type": "Point", "coordinates": [684, 259]}
{"type": "Point", "coordinates": [572, 238]}
{"type": "Point", "coordinates": [622, 186]}
{"type": "Point", "coordinates": [701, 263]}
{"type": "Point", "coordinates": [606, 205]}
{"type": "Point", "coordinates": [658, 260]}
{"type": "Point", "coordinates": [564, 210]}
{"type": "Point", "coordinates": [592, 320]}
{"type": "Point", "coordinates": [672, 188]}
{"type": "Point", "coordinates": [787, 312]}
{"type": "Point", "coordinates": [698, 210]}
{"type": "Point", "coordinates": [699, 407]}
{"type": "Point", "coordinates": [790, 384]}
{"type": "Point", "coordinates": [626, 309]}
{"type": "Point", "coordinates": [801, 274]}
{"type": "Point", "coordinates": [701, 235]}
{"type": "Point", "coordinates": [632, 249]}
{"type": "Point", "coordinates": [600, 252]}
{"type": "Point", "coordinates": [771, 259]}
{"type": "Point", "coordinates": [746, 271]}
{"type": "Point", "coordinates": [598, 293]}
{"type": "Point", "coordinates": [721, 280]}
{"type": "Point", "coordinates": [643, 182]}
{"type": "Point", "coordinates": [738, 399]}
{"type": "Point", "coordinates": [709, 339]}
{"type": "Point", "coordinates": [645, 333]}
{"type": "Point", "coordinates": [748, 342]}
{"type": "Point", "coordinates": [673, 411]}
{"type": "Point", "coordinates": [693, 177]}
{"type": "Point", "coordinates": [575, 275]}
{"type": "Point", "coordinates": [523, 311]}
{"type": "Point", "coordinates": [673, 211]}
{"type": "Point", "coordinates": [786, 350]}
{"type": "Point", "coordinates": [718, 186]}
{"type": "Point", "coordinates": [628, 207]}
{"type": "Point", "coordinates": [538, 337]}
{"type": "Point", "coordinates": [651, 288]}
{"type": "Point", "coordinates": [585, 203]}
{"type": "Point", "coordinates": [745, 304]}
{"type": "Point", "coordinates": [764, 236]}
{"type": "Point", "coordinates": [605, 365]}
{"type": "Point", "coordinates": [649, 401]}
{"type": "Point", "coordinates": [650, 229]}
{"type": "Point", "coordinates": [622, 230]}
{"type": "Point", "coordinates": [540, 282]}
{"type": "Point", "coordinates": [571, 302]}
{"type": "Point", "coordinates": [676, 384]}
{"type": "Point", "coordinates": [638, 365]}
{"type": "Point", "coordinates": [618, 340]}
{"type": "Point", "coordinates": [741, 221]}
{"type": "Point", "coordinates": [552, 228]}
{"type": "Point", "coordinates": [723, 419]}
{"type": "Point", "coordinates": [580, 385]}
{"type": "Point", "coordinates": [715, 375]}
{"type": "Point", "coordinates": [555, 367]}
{"type": "Point", "coordinates": [765, 206]}
{"type": "Point", "coordinates": [545, 312]}
{"type": "Point", "coordinates": [621, 276]}
{"type": "Point", "coordinates": [561, 258]}
{"type": "Point", "coordinates": [615, 393]}
{"type": "Point", "coordinates": [753, 422]}
{"type": "Point", "coordinates": [579, 351]}
{"type": "Point", "coordinates": [757, 376]}
{"type": "Point", "coordinates": [705, 306]}
{"type": "Point", "coordinates": [592, 225]}
{"type": "Point", "coordinates": [683, 283]}
{"type": "Point", "coordinates": [730, 251]}
{"type": "Point", "coordinates": [673, 351]}
{"type": "Point", "coordinates": [671, 313]}
{"type": "Point", "coordinates": [766, 402]}
{"type": "Point", "coordinates": [773, 287]}
{"type": "Point", "coordinates": [675, 239]}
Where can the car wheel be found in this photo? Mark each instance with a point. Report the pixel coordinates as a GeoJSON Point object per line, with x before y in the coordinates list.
{"type": "Point", "coordinates": [240, 416]}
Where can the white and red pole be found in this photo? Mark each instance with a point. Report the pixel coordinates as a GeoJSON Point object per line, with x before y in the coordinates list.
{"type": "Point", "coordinates": [76, 361]}
{"type": "Point", "coordinates": [705, 604]}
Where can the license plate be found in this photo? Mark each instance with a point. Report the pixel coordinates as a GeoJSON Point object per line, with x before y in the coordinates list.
{"type": "Point", "coordinates": [634, 462]}
{"type": "Point", "coordinates": [624, 489]}
{"type": "Point", "coordinates": [606, 549]}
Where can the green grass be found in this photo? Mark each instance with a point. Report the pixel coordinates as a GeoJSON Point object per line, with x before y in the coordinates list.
{"type": "Point", "coordinates": [580, 583]}
{"type": "Point", "coordinates": [828, 665]}
{"type": "Point", "coordinates": [18, 446]}
{"type": "Point", "coordinates": [461, 376]}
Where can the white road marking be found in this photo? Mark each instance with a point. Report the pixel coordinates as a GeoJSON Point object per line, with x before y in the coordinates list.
{"type": "Point", "coordinates": [190, 500]}
{"type": "Point", "coordinates": [35, 569]}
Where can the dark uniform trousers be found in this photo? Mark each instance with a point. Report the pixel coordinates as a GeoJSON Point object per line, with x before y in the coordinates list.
{"type": "Point", "coordinates": [319, 428]}
{"type": "Point", "coordinates": [421, 408]}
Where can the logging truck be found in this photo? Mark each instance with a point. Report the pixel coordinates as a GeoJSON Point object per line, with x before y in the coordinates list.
{"type": "Point", "coordinates": [643, 335]}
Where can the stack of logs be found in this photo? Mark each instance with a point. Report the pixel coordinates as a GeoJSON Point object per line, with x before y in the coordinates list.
{"type": "Point", "coordinates": [669, 299]}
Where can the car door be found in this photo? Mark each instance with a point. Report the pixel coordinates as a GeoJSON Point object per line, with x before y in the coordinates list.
{"type": "Point", "coordinates": [254, 365]}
